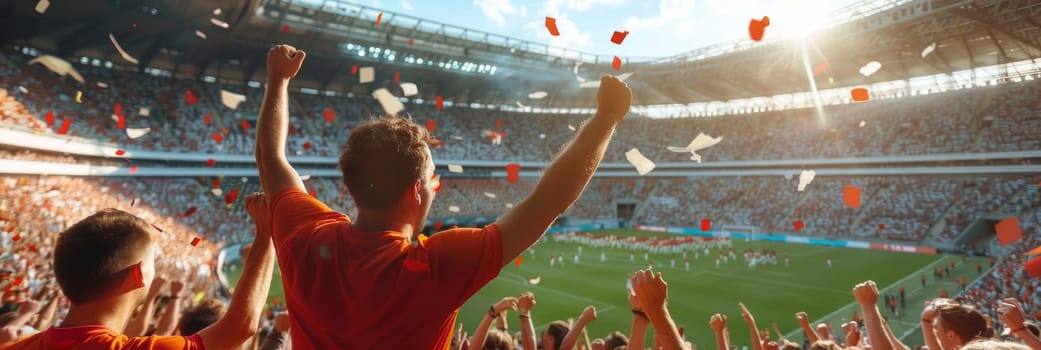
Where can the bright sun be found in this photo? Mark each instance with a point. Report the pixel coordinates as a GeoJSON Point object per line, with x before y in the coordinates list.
{"type": "Point", "coordinates": [800, 18]}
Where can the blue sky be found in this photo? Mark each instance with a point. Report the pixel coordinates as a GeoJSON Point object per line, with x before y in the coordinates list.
{"type": "Point", "coordinates": [657, 27]}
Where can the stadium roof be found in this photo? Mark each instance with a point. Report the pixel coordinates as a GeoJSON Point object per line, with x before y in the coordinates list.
{"type": "Point", "coordinates": [161, 34]}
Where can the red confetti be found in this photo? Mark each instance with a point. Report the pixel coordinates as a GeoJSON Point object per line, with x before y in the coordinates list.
{"type": "Point", "coordinates": [439, 103]}
{"type": "Point", "coordinates": [313, 193]}
{"type": "Point", "coordinates": [224, 131]}
{"type": "Point", "coordinates": [798, 225]}
{"type": "Point", "coordinates": [617, 64]}
{"type": "Point", "coordinates": [706, 225]}
{"type": "Point", "coordinates": [498, 123]}
{"type": "Point", "coordinates": [379, 18]}
{"type": "Point", "coordinates": [50, 118]}
{"type": "Point", "coordinates": [245, 125]}
{"type": "Point", "coordinates": [190, 98]}
{"type": "Point", "coordinates": [431, 125]}
{"type": "Point", "coordinates": [307, 145]}
{"type": "Point", "coordinates": [157, 228]}
{"type": "Point", "coordinates": [1033, 267]}
{"type": "Point", "coordinates": [397, 77]}
{"type": "Point", "coordinates": [437, 226]}
{"type": "Point", "coordinates": [117, 109]}
{"type": "Point", "coordinates": [881, 226]}
{"type": "Point", "coordinates": [851, 196]}
{"type": "Point", "coordinates": [210, 162]}
{"type": "Point", "coordinates": [551, 25]}
{"type": "Point", "coordinates": [618, 37]}
{"type": "Point", "coordinates": [18, 280]}
{"type": "Point", "coordinates": [860, 95]}
{"type": "Point", "coordinates": [217, 137]}
{"type": "Point", "coordinates": [207, 119]}
{"type": "Point", "coordinates": [329, 114]}
{"type": "Point", "coordinates": [215, 183]}
{"type": "Point", "coordinates": [232, 196]}
{"type": "Point", "coordinates": [122, 121]}
{"type": "Point", "coordinates": [413, 265]}
{"type": "Point", "coordinates": [120, 152]}
{"type": "Point", "coordinates": [820, 68]}
{"type": "Point", "coordinates": [132, 202]}
{"type": "Point", "coordinates": [411, 42]}
{"type": "Point", "coordinates": [196, 240]}
{"type": "Point", "coordinates": [518, 261]}
{"type": "Point", "coordinates": [133, 169]}
{"type": "Point", "coordinates": [16, 237]}
{"type": "Point", "coordinates": [65, 124]}
{"type": "Point", "coordinates": [1008, 231]}
{"type": "Point", "coordinates": [191, 210]}
{"type": "Point", "coordinates": [756, 28]}
{"type": "Point", "coordinates": [354, 70]}
{"type": "Point", "coordinates": [512, 172]}
{"type": "Point", "coordinates": [285, 29]}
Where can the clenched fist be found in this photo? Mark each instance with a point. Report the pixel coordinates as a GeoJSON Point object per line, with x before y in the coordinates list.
{"type": "Point", "coordinates": [613, 99]}
{"type": "Point", "coordinates": [283, 61]}
{"type": "Point", "coordinates": [866, 293]}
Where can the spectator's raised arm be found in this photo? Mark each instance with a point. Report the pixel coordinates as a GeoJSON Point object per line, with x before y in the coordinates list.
{"type": "Point", "coordinates": [719, 328]}
{"type": "Point", "coordinates": [866, 295]}
{"type": "Point", "coordinates": [804, 323]}
{"type": "Point", "coordinates": [566, 177]}
{"type": "Point", "coordinates": [283, 61]}
{"type": "Point", "coordinates": [524, 305]}
{"type": "Point", "coordinates": [588, 315]}
{"type": "Point", "coordinates": [753, 329]}
{"type": "Point", "coordinates": [168, 322]}
{"type": "Point", "coordinates": [1011, 313]}
{"type": "Point", "coordinates": [653, 293]}
{"type": "Point", "coordinates": [493, 312]}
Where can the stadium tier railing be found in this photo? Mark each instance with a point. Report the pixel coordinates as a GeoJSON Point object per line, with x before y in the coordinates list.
{"type": "Point", "coordinates": [777, 237]}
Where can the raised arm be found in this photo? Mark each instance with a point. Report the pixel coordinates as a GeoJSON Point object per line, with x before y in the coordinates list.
{"type": "Point", "coordinates": [138, 324]}
{"type": "Point", "coordinates": [283, 61]}
{"type": "Point", "coordinates": [653, 293]}
{"type": "Point", "coordinates": [46, 318]}
{"type": "Point", "coordinates": [243, 316]}
{"type": "Point", "coordinates": [852, 332]}
{"type": "Point", "coordinates": [588, 315]}
{"type": "Point", "coordinates": [719, 328]}
{"type": "Point", "coordinates": [897, 344]}
{"type": "Point", "coordinates": [1011, 313]}
{"type": "Point", "coordinates": [524, 305]}
{"type": "Point", "coordinates": [278, 337]}
{"type": "Point", "coordinates": [565, 178]}
{"type": "Point", "coordinates": [493, 312]}
{"type": "Point", "coordinates": [168, 322]}
{"type": "Point", "coordinates": [638, 332]}
{"type": "Point", "coordinates": [804, 323]}
{"type": "Point", "coordinates": [753, 329]}
{"type": "Point", "coordinates": [866, 295]}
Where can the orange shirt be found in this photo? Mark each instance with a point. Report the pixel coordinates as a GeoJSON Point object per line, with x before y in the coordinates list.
{"type": "Point", "coordinates": [347, 289]}
{"type": "Point", "coordinates": [102, 338]}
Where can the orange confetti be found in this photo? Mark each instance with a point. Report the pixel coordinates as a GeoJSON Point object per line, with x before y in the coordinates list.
{"type": "Point", "coordinates": [1008, 231]}
{"type": "Point", "coordinates": [617, 64]}
{"type": "Point", "coordinates": [439, 103]}
{"type": "Point", "coordinates": [851, 196]}
{"type": "Point", "coordinates": [379, 18]}
{"type": "Point", "coordinates": [518, 261]}
{"type": "Point", "coordinates": [512, 172]}
{"type": "Point", "coordinates": [329, 114]}
{"type": "Point", "coordinates": [551, 25]}
{"type": "Point", "coordinates": [431, 125]}
{"type": "Point", "coordinates": [757, 27]}
{"type": "Point", "coordinates": [1033, 267]}
{"type": "Point", "coordinates": [618, 37]}
{"type": "Point", "coordinates": [860, 95]}
{"type": "Point", "coordinates": [217, 137]}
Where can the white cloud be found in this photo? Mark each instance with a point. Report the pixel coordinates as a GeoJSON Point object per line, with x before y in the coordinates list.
{"type": "Point", "coordinates": [583, 5]}
{"type": "Point", "coordinates": [669, 11]}
{"type": "Point", "coordinates": [496, 10]}
{"type": "Point", "coordinates": [407, 6]}
{"type": "Point", "coordinates": [570, 35]}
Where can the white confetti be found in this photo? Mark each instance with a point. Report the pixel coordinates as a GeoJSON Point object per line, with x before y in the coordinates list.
{"type": "Point", "coordinates": [460, 138]}
{"type": "Point", "coordinates": [366, 75]}
{"type": "Point", "coordinates": [572, 127]}
{"type": "Point", "coordinates": [489, 195]}
{"type": "Point", "coordinates": [216, 11]}
{"type": "Point", "coordinates": [870, 68]}
{"type": "Point", "coordinates": [245, 179]}
{"type": "Point", "coordinates": [219, 23]}
{"type": "Point", "coordinates": [200, 34]}
{"type": "Point", "coordinates": [521, 105]}
{"type": "Point", "coordinates": [102, 85]}
{"type": "Point", "coordinates": [928, 50]}
{"type": "Point", "coordinates": [862, 123]}
{"type": "Point", "coordinates": [538, 95]}
{"type": "Point", "coordinates": [23, 90]}
{"type": "Point", "coordinates": [535, 281]}
{"type": "Point", "coordinates": [805, 178]}
{"type": "Point", "coordinates": [133, 133]}
{"type": "Point", "coordinates": [409, 89]}
{"type": "Point", "coordinates": [453, 209]}
{"type": "Point", "coordinates": [455, 168]}
{"type": "Point", "coordinates": [642, 164]}
{"type": "Point", "coordinates": [509, 205]}
{"type": "Point", "coordinates": [390, 104]}
{"type": "Point", "coordinates": [122, 53]}
{"type": "Point", "coordinates": [144, 112]}
{"type": "Point", "coordinates": [700, 142]}
{"type": "Point", "coordinates": [42, 6]}
{"type": "Point", "coordinates": [217, 192]}
{"type": "Point", "coordinates": [231, 99]}
{"type": "Point", "coordinates": [59, 66]}
{"type": "Point", "coordinates": [305, 177]}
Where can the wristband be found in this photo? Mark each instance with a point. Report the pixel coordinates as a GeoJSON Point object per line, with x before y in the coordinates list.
{"type": "Point", "coordinates": [524, 316]}
{"type": "Point", "coordinates": [927, 321]}
{"type": "Point", "coordinates": [491, 311]}
{"type": "Point", "coordinates": [642, 314]}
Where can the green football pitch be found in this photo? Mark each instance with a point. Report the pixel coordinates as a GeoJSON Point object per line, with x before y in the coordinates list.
{"type": "Point", "coordinates": [774, 293]}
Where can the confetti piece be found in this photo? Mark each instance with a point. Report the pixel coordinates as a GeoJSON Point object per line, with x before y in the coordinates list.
{"type": "Point", "coordinates": [217, 192]}
{"type": "Point", "coordinates": [9, 229]}
{"type": "Point", "coordinates": [313, 193]}
{"type": "Point", "coordinates": [42, 6]}
{"type": "Point", "coordinates": [245, 125]}
{"type": "Point", "coordinates": [366, 75]}
{"type": "Point", "coordinates": [520, 105]}
{"type": "Point", "coordinates": [870, 68]}
{"type": "Point", "coordinates": [217, 137]}
{"type": "Point", "coordinates": [928, 50]}
{"type": "Point", "coordinates": [820, 68]}
{"type": "Point", "coordinates": [59, 66]}
{"type": "Point", "coordinates": [862, 123]}
{"type": "Point", "coordinates": [133, 133]}
{"type": "Point", "coordinates": [120, 152]}
{"type": "Point", "coordinates": [211, 162]}
{"type": "Point", "coordinates": [538, 95]}
{"type": "Point", "coordinates": [16, 238]}
{"type": "Point", "coordinates": [305, 177]}
{"type": "Point", "coordinates": [190, 98]}
{"type": "Point", "coordinates": [232, 196]}
{"type": "Point", "coordinates": [455, 168]}
{"type": "Point", "coordinates": [617, 64]}
{"type": "Point", "coordinates": [551, 26]}
{"type": "Point", "coordinates": [642, 164]}
{"type": "Point", "coordinates": [572, 127]}
{"type": "Point", "coordinates": [144, 112]}
{"type": "Point", "coordinates": [285, 29]}
{"type": "Point", "coordinates": [397, 77]}
{"type": "Point", "coordinates": [307, 145]}
{"type": "Point", "coordinates": [49, 117]}
{"type": "Point", "coordinates": [224, 131]}
{"type": "Point", "coordinates": [798, 225]}
{"type": "Point", "coordinates": [1034, 251]}
{"type": "Point", "coordinates": [460, 138]}
{"type": "Point", "coordinates": [413, 265]}
{"type": "Point", "coordinates": [618, 37]}
{"type": "Point", "coordinates": [200, 34]}
{"type": "Point", "coordinates": [329, 114]}
{"type": "Point", "coordinates": [390, 104]}
{"type": "Point", "coordinates": [881, 227]}
{"type": "Point", "coordinates": [133, 169]}
{"type": "Point", "coordinates": [354, 70]}
{"type": "Point", "coordinates": [65, 124]}
{"type": "Point", "coordinates": [102, 85]}
{"type": "Point", "coordinates": [498, 123]}
{"type": "Point", "coordinates": [79, 96]}
{"type": "Point", "coordinates": [518, 261]}
{"type": "Point", "coordinates": [700, 142]}
{"type": "Point", "coordinates": [535, 281]}
{"type": "Point", "coordinates": [1033, 267]}
{"type": "Point", "coordinates": [157, 228]}
{"type": "Point", "coordinates": [1008, 231]}
{"type": "Point", "coordinates": [439, 103]}
{"type": "Point", "coordinates": [437, 226]}
{"type": "Point", "coordinates": [409, 89]}
{"type": "Point", "coordinates": [121, 121]}
{"type": "Point", "coordinates": [512, 172]}
{"type": "Point", "coordinates": [188, 212]}
{"type": "Point", "coordinates": [216, 11]}
{"type": "Point", "coordinates": [207, 119]}
{"type": "Point", "coordinates": [431, 125]}
{"type": "Point", "coordinates": [859, 95]}
{"type": "Point", "coordinates": [196, 240]}
{"type": "Point", "coordinates": [706, 225]}
{"type": "Point", "coordinates": [757, 27]}
{"type": "Point", "coordinates": [851, 196]}
{"type": "Point", "coordinates": [805, 178]}
{"type": "Point", "coordinates": [219, 23]}
{"type": "Point", "coordinates": [122, 53]}
{"type": "Point", "coordinates": [489, 195]}
{"type": "Point", "coordinates": [379, 18]}
{"type": "Point", "coordinates": [23, 90]}
{"type": "Point", "coordinates": [435, 183]}
{"type": "Point", "coordinates": [132, 201]}
{"type": "Point", "coordinates": [453, 209]}
{"type": "Point", "coordinates": [231, 99]}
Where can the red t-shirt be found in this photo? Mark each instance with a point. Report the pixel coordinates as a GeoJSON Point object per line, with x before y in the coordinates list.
{"type": "Point", "coordinates": [102, 338]}
{"type": "Point", "coordinates": [369, 290]}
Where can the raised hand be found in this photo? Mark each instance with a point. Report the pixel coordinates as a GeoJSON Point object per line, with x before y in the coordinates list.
{"type": "Point", "coordinates": [801, 317]}
{"type": "Point", "coordinates": [1011, 313]}
{"type": "Point", "coordinates": [283, 62]}
{"type": "Point", "coordinates": [525, 303]}
{"type": "Point", "coordinates": [505, 304]}
{"type": "Point", "coordinates": [866, 293]}
{"type": "Point", "coordinates": [589, 314]}
{"type": "Point", "coordinates": [256, 206]}
{"type": "Point", "coordinates": [176, 287]}
{"type": "Point", "coordinates": [282, 322]}
{"type": "Point", "coordinates": [718, 323]}
{"type": "Point", "coordinates": [614, 98]}
{"type": "Point", "coordinates": [747, 315]}
{"type": "Point", "coordinates": [651, 290]}
{"type": "Point", "coordinates": [852, 332]}
{"type": "Point", "coordinates": [157, 285]}
{"type": "Point", "coordinates": [931, 309]}
{"type": "Point", "coordinates": [29, 307]}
